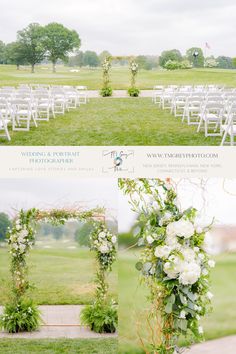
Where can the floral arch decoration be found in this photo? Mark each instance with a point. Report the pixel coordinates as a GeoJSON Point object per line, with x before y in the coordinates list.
{"type": "Point", "coordinates": [173, 263]}
{"type": "Point", "coordinates": [21, 314]}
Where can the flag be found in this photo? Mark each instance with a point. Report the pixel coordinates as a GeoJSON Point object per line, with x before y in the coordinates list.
{"type": "Point", "coordinates": [207, 45]}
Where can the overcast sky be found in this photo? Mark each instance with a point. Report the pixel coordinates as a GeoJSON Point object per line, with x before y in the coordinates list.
{"type": "Point", "coordinates": [217, 199]}
{"type": "Point", "coordinates": [58, 193]}
{"type": "Point", "coordinates": [127, 27]}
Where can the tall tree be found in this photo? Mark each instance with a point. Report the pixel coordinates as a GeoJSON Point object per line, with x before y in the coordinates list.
{"type": "Point", "coordinates": [2, 52]}
{"type": "Point", "coordinates": [173, 55]}
{"type": "Point", "coordinates": [32, 41]}
{"type": "Point", "coordinates": [103, 55]}
{"type": "Point", "coordinates": [4, 224]}
{"type": "Point", "coordinates": [90, 59]}
{"type": "Point", "coordinates": [59, 41]}
{"type": "Point", "coordinates": [196, 57]}
{"type": "Point", "coordinates": [14, 54]}
{"type": "Point", "coordinates": [224, 62]}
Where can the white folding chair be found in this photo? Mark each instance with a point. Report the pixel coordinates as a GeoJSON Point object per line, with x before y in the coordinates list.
{"type": "Point", "coordinates": [229, 128]}
{"type": "Point", "coordinates": [4, 126]}
{"type": "Point", "coordinates": [23, 112]}
{"type": "Point", "coordinates": [211, 115]}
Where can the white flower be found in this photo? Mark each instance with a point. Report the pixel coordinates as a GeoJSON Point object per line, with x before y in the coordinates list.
{"type": "Point", "coordinates": [190, 274]}
{"type": "Point", "coordinates": [173, 267]}
{"type": "Point", "coordinates": [166, 217]}
{"type": "Point", "coordinates": [205, 271]}
{"type": "Point", "coordinates": [198, 317]}
{"type": "Point", "coordinates": [172, 241]}
{"type": "Point", "coordinates": [182, 314]}
{"type": "Point", "coordinates": [104, 248]}
{"type": "Point", "coordinates": [162, 251]}
{"type": "Point", "coordinates": [181, 228]}
{"type": "Point", "coordinates": [200, 330]}
{"type": "Point", "coordinates": [211, 263]}
{"type": "Point", "coordinates": [18, 227]}
{"type": "Point", "coordinates": [199, 229]}
{"type": "Point", "coordinates": [209, 295]}
{"type": "Point", "coordinates": [15, 246]}
{"type": "Point", "coordinates": [201, 256]}
{"type": "Point", "coordinates": [150, 239]}
{"type": "Point", "coordinates": [188, 254]}
{"type": "Point", "coordinates": [102, 235]}
{"type": "Point", "coordinates": [114, 239]}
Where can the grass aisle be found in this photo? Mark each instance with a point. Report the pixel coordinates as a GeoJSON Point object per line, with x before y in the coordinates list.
{"type": "Point", "coordinates": [92, 346]}
{"type": "Point", "coordinates": [113, 121]}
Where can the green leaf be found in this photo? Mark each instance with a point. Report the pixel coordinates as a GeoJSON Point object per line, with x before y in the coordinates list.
{"type": "Point", "coordinates": [182, 324]}
{"type": "Point", "coordinates": [168, 307]}
{"type": "Point", "coordinates": [139, 266]}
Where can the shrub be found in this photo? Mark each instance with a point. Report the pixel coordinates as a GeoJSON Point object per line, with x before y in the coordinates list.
{"type": "Point", "coordinates": [106, 92]}
{"type": "Point", "coordinates": [22, 316]}
{"type": "Point", "coordinates": [100, 317]}
{"type": "Point", "coordinates": [133, 92]}
{"type": "Point", "coordinates": [185, 64]}
{"type": "Point", "coordinates": [172, 65]}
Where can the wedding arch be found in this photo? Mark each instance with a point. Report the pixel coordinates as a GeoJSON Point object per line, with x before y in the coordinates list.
{"type": "Point", "coordinates": [173, 264]}
{"type": "Point", "coordinates": [21, 314]}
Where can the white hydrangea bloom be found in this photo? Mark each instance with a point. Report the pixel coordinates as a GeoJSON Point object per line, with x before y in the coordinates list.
{"type": "Point", "coordinates": [162, 251]}
{"type": "Point", "coordinates": [190, 274]}
{"type": "Point", "coordinates": [104, 248]}
{"type": "Point", "coordinates": [182, 228]}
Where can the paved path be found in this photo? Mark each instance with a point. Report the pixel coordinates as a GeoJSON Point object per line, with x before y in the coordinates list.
{"type": "Point", "coordinates": [60, 321]}
{"type": "Point", "coordinates": [226, 345]}
{"type": "Point", "coordinates": [120, 93]}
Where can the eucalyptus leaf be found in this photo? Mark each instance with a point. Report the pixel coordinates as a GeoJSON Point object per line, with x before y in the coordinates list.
{"type": "Point", "coordinates": [147, 266]}
{"type": "Point", "coordinates": [139, 266]}
{"type": "Point", "coordinates": [168, 307]}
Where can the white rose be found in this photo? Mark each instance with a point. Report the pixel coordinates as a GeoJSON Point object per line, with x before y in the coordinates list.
{"type": "Point", "coordinates": [18, 227]}
{"type": "Point", "coordinates": [162, 251]}
{"type": "Point", "coordinates": [184, 228]}
{"type": "Point", "coordinates": [211, 263]}
{"type": "Point", "coordinates": [150, 239]}
{"type": "Point", "coordinates": [114, 239]}
{"type": "Point", "coordinates": [209, 295]}
{"type": "Point", "coordinates": [104, 248]}
{"type": "Point", "coordinates": [182, 314]}
{"type": "Point", "coordinates": [174, 267]}
{"type": "Point", "coordinates": [190, 274]}
{"type": "Point", "coordinates": [205, 271]}
{"type": "Point", "coordinates": [188, 254]}
{"type": "Point", "coordinates": [102, 235]}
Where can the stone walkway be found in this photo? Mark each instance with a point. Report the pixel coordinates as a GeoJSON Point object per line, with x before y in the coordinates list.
{"type": "Point", "coordinates": [61, 321]}
{"type": "Point", "coordinates": [226, 345]}
{"type": "Point", "coordinates": [120, 93]}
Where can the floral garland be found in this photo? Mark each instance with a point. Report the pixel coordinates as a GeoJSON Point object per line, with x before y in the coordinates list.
{"type": "Point", "coordinates": [106, 67]}
{"type": "Point", "coordinates": [173, 262]}
{"type": "Point", "coordinates": [21, 314]}
{"type": "Point", "coordinates": [133, 66]}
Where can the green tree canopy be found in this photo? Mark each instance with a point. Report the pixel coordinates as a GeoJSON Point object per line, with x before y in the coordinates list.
{"type": "Point", "coordinates": [224, 62]}
{"type": "Point", "coordinates": [14, 54]}
{"type": "Point", "coordinates": [2, 52]}
{"type": "Point", "coordinates": [91, 59]}
{"type": "Point", "coordinates": [104, 55]}
{"type": "Point", "coordinates": [196, 60]}
{"type": "Point", "coordinates": [82, 234]}
{"type": "Point", "coordinates": [173, 55]}
{"type": "Point", "coordinates": [59, 41]}
{"type": "Point", "coordinates": [31, 40]}
{"type": "Point", "coordinates": [4, 224]}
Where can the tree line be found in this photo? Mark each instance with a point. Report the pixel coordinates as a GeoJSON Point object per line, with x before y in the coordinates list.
{"type": "Point", "coordinates": [194, 57]}
{"type": "Point", "coordinates": [36, 43]}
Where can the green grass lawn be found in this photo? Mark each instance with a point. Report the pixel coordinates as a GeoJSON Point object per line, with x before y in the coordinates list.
{"type": "Point", "coordinates": [60, 346]}
{"type": "Point", "coordinates": [120, 77]}
{"type": "Point", "coordinates": [60, 276]}
{"type": "Point", "coordinates": [132, 301]}
{"type": "Point", "coordinates": [113, 121]}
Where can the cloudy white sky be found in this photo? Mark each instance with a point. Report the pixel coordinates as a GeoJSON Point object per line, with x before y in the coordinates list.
{"type": "Point", "coordinates": [128, 27]}
{"type": "Point", "coordinates": [58, 193]}
{"type": "Point", "coordinates": [214, 198]}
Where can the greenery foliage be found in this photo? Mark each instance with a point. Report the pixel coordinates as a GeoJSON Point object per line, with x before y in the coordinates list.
{"type": "Point", "coordinates": [101, 318]}
{"type": "Point", "coordinates": [173, 263]}
{"type": "Point", "coordinates": [21, 239]}
{"type": "Point", "coordinates": [106, 90]}
{"type": "Point", "coordinates": [5, 223]}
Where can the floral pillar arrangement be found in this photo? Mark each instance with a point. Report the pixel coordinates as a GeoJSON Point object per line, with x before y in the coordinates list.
{"type": "Point", "coordinates": [106, 90]}
{"type": "Point", "coordinates": [133, 91]}
{"type": "Point", "coordinates": [174, 264]}
{"type": "Point", "coordinates": [21, 314]}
